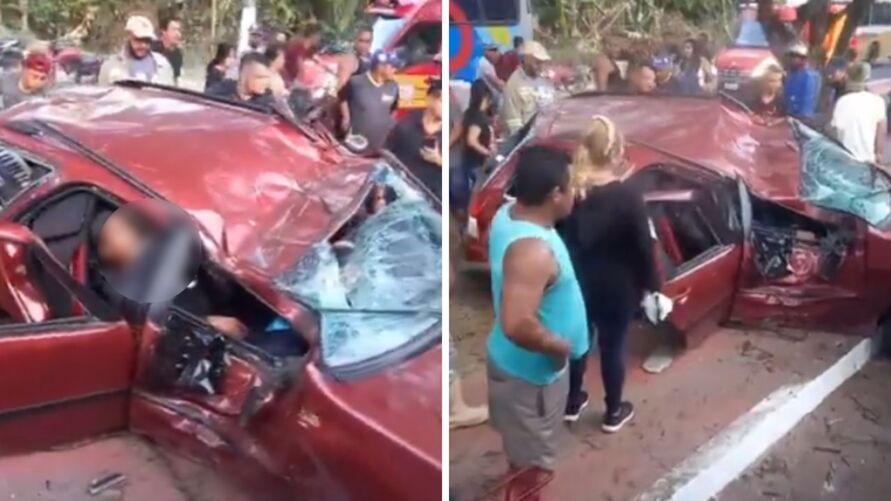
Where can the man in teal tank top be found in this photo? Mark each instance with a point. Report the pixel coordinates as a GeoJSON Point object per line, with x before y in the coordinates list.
{"type": "Point", "coordinates": [540, 319]}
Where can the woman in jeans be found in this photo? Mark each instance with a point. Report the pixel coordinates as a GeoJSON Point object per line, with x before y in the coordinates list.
{"type": "Point", "coordinates": [608, 236]}
{"type": "Point", "coordinates": [477, 140]}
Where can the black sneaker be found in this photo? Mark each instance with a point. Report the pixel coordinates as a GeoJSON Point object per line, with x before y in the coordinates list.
{"type": "Point", "coordinates": [575, 406]}
{"type": "Point", "coordinates": [614, 421]}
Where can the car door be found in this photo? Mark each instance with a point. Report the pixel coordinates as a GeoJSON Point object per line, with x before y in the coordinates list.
{"type": "Point", "coordinates": [66, 359]}
{"type": "Point", "coordinates": [697, 227]}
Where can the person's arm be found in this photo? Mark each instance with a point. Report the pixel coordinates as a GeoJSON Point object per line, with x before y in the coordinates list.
{"type": "Point", "coordinates": [473, 140]}
{"type": "Point", "coordinates": [602, 71]}
{"type": "Point", "coordinates": [395, 100]}
{"type": "Point", "coordinates": [529, 267]}
{"type": "Point", "coordinates": [456, 133]}
{"type": "Point", "coordinates": [510, 112]}
{"type": "Point", "coordinates": [881, 140]}
{"type": "Point", "coordinates": [643, 249]}
{"type": "Point", "coordinates": [812, 95]}
{"type": "Point", "coordinates": [344, 97]}
{"type": "Point", "coordinates": [491, 78]}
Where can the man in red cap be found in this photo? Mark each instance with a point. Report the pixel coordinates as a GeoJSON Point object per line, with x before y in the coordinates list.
{"type": "Point", "coordinates": [33, 80]}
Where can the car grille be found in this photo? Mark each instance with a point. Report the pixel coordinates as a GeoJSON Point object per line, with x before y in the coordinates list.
{"type": "Point", "coordinates": [729, 75]}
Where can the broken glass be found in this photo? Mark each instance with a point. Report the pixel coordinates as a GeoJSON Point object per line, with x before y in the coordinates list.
{"type": "Point", "coordinates": [378, 285]}
{"type": "Point", "coordinates": [833, 179]}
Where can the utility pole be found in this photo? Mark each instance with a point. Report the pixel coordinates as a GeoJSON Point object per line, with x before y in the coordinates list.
{"type": "Point", "coordinates": [248, 20]}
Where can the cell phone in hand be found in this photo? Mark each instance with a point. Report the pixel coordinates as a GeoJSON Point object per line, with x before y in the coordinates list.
{"type": "Point", "coordinates": [431, 142]}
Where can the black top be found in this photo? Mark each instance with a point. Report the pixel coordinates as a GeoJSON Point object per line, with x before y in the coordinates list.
{"type": "Point", "coordinates": [371, 107]}
{"type": "Point", "coordinates": [608, 236]}
{"type": "Point", "coordinates": [174, 55]}
{"type": "Point", "coordinates": [473, 158]}
{"type": "Point", "coordinates": [214, 76]}
{"type": "Point", "coordinates": [228, 89]}
{"type": "Point", "coordinates": [615, 82]}
{"type": "Point", "coordinates": [406, 141]}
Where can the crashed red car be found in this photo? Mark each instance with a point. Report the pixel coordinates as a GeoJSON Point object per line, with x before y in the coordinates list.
{"type": "Point", "coordinates": [755, 225]}
{"type": "Point", "coordinates": [352, 412]}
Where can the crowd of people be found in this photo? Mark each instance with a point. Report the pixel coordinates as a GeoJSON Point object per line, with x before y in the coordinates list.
{"type": "Point", "coordinates": [571, 255]}
{"type": "Point", "coordinates": [276, 70]}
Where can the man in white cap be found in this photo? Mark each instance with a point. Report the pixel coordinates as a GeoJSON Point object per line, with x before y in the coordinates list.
{"type": "Point", "coordinates": [526, 91]}
{"type": "Point", "coordinates": [136, 61]}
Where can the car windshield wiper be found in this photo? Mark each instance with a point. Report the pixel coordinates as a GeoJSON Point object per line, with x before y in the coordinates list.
{"type": "Point", "coordinates": [274, 110]}
{"type": "Point", "coordinates": [39, 128]}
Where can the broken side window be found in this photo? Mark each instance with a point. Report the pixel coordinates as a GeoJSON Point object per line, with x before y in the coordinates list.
{"type": "Point", "coordinates": [831, 178]}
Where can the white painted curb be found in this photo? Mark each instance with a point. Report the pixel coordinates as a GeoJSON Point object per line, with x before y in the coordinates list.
{"type": "Point", "coordinates": [722, 459]}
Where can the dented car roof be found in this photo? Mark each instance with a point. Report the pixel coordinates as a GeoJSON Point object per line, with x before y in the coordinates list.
{"type": "Point", "coordinates": [704, 131]}
{"type": "Point", "coordinates": [245, 182]}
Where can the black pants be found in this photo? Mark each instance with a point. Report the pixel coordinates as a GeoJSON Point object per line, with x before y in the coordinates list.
{"type": "Point", "coordinates": [612, 332]}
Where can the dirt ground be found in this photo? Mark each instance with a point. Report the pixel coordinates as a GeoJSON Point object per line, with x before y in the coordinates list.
{"type": "Point", "coordinates": [152, 474]}
{"type": "Point", "coordinates": [705, 390]}
{"type": "Point", "coordinates": [840, 452]}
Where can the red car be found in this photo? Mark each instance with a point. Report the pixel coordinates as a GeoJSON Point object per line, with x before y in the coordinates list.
{"type": "Point", "coordinates": [350, 410]}
{"type": "Point", "coordinates": [754, 224]}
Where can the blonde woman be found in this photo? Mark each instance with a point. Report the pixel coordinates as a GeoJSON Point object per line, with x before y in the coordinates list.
{"type": "Point", "coordinates": [608, 235]}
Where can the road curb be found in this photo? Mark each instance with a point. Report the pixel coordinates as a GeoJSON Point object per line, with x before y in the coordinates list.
{"type": "Point", "coordinates": [723, 458]}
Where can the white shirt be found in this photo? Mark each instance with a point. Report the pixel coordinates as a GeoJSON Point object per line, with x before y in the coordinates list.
{"type": "Point", "coordinates": [855, 120]}
{"type": "Point", "coordinates": [486, 70]}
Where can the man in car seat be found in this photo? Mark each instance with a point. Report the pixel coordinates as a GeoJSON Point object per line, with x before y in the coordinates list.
{"type": "Point", "coordinates": [118, 240]}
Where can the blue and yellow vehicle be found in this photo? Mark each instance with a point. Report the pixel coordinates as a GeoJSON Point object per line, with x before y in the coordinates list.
{"type": "Point", "coordinates": [473, 24]}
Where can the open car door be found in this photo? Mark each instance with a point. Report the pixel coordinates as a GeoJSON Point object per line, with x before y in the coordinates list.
{"type": "Point", "coordinates": [66, 358]}
{"type": "Point", "coordinates": [419, 45]}
{"type": "Point", "coordinates": [696, 221]}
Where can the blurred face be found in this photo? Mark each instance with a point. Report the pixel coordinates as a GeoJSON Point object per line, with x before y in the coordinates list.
{"type": "Point", "coordinates": [140, 47]}
{"type": "Point", "coordinates": [119, 243]}
{"type": "Point", "coordinates": [363, 43]}
{"type": "Point", "coordinates": [434, 104]}
{"type": "Point", "coordinates": [230, 59]}
{"type": "Point", "coordinates": [33, 80]}
{"type": "Point", "coordinates": [533, 66]}
{"type": "Point", "coordinates": [378, 199]}
{"type": "Point", "coordinates": [386, 71]}
{"type": "Point", "coordinates": [688, 50]}
{"type": "Point", "coordinates": [644, 80]}
{"type": "Point", "coordinates": [773, 82]}
{"type": "Point", "coordinates": [492, 55]}
{"type": "Point", "coordinates": [797, 61]}
{"type": "Point", "coordinates": [173, 35]}
{"type": "Point", "coordinates": [255, 79]}
{"type": "Point", "coordinates": [278, 64]}
{"type": "Point", "coordinates": [255, 40]}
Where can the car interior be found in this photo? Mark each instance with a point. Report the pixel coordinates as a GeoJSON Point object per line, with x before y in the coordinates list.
{"type": "Point", "coordinates": [688, 217]}
{"type": "Point", "coordinates": [69, 225]}
{"type": "Point", "coordinates": [790, 247]}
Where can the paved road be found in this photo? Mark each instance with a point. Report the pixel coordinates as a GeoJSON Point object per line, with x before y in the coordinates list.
{"type": "Point", "coordinates": [841, 451]}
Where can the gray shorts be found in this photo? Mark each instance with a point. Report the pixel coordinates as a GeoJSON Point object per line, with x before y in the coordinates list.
{"type": "Point", "coordinates": [527, 416]}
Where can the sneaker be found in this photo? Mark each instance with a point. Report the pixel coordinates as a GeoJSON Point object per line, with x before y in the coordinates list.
{"type": "Point", "coordinates": [614, 421]}
{"type": "Point", "coordinates": [574, 408]}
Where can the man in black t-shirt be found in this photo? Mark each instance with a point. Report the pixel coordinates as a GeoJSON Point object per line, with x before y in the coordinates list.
{"type": "Point", "coordinates": [367, 101]}
{"type": "Point", "coordinates": [416, 140]}
{"type": "Point", "coordinates": [168, 45]}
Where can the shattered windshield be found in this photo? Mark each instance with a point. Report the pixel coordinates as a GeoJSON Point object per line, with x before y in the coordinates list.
{"type": "Point", "coordinates": [377, 284]}
{"type": "Point", "coordinates": [833, 179]}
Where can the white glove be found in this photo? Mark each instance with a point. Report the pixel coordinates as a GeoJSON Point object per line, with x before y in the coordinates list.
{"type": "Point", "coordinates": [657, 307]}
